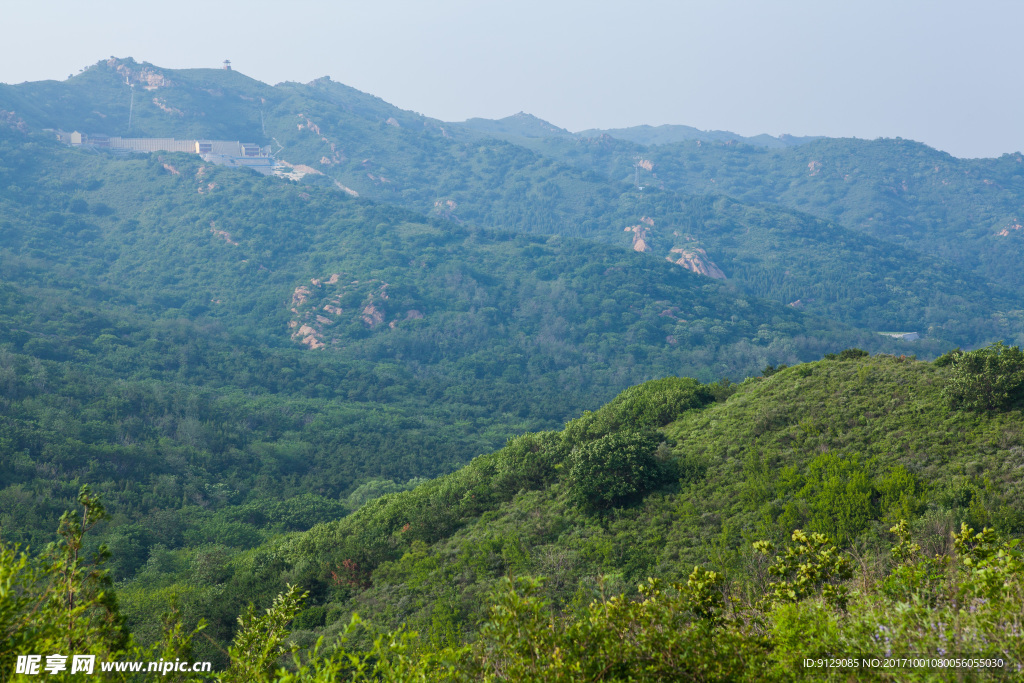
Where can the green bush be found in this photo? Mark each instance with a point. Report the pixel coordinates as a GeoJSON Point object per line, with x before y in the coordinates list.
{"type": "Point", "coordinates": [649, 405]}
{"type": "Point", "coordinates": [615, 470]}
{"type": "Point", "coordinates": [991, 378]}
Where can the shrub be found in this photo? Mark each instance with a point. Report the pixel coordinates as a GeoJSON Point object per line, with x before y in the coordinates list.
{"type": "Point", "coordinates": [615, 470]}
{"type": "Point", "coordinates": [847, 354]}
{"type": "Point", "coordinates": [649, 405]}
{"type": "Point", "coordinates": [991, 378]}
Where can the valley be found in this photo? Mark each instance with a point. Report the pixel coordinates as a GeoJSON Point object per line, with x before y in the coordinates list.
{"type": "Point", "coordinates": [423, 364]}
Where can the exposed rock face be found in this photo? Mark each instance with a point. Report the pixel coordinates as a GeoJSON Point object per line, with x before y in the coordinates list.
{"type": "Point", "coordinates": [446, 209]}
{"type": "Point", "coordinates": [146, 76]}
{"type": "Point", "coordinates": [347, 190]}
{"type": "Point", "coordinates": [336, 156]}
{"type": "Point", "coordinates": [1012, 227]}
{"type": "Point", "coordinates": [372, 317]}
{"type": "Point", "coordinates": [12, 120]}
{"type": "Point", "coordinates": [226, 236]}
{"type": "Point", "coordinates": [327, 301]}
{"type": "Point", "coordinates": [297, 170]}
{"type": "Point", "coordinates": [814, 167]}
{"type": "Point", "coordinates": [641, 234]}
{"type": "Point", "coordinates": [309, 336]}
{"type": "Point", "coordinates": [163, 106]}
{"type": "Point", "coordinates": [695, 259]}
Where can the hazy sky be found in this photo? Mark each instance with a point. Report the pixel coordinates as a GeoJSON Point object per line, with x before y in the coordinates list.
{"type": "Point", "coordinates": [950, 74]}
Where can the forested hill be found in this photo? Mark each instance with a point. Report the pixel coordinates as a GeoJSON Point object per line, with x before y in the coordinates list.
{"type": "Point", "coordinates": [668, 475]}
{"type": "Point", "coordinates": [968, 211]}
{"type": "Point", "coordinates": [276, 381]}
{"type": "Point", "coordinates": [880, 278]}
{"type": "Point", "coordinates": [189, 337]}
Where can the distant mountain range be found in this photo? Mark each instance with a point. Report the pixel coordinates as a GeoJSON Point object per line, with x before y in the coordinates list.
{"type": "Point", "coordinates": [912, 239]}
{"type": "Point", "coordinates": [523, 125]}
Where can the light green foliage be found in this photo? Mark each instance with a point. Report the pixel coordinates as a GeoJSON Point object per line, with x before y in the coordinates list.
{"type": "Point", "coordinates": [58, 602]}
{"type": "Point", "coordinates": [260, 641]}
{"type": "Point", "coordinates": [703, 629]}
{"type": "Point", "coordinates": [653, 637]}
{"type": "Point", "coordinates": [995, 568]}
{"type": "Point", "coordinates": [914, 577]}
{"type": "Point", "coordinates": [392, 658]}
{"type": "Point", "coordinates": [812, 566]}
{"type": "Point", "coordinates": [840, 491]}
{"type": "Point", "coordinates": [991, 378]}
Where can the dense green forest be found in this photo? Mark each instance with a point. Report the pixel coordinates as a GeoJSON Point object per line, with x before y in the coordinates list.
{"type": "Point", "coordinates": [159, 318]}
{"type": "Point", "coordinates": [697, 486]}
{"type": "Point", "coordinates": [967, 211]}
{"type": "Point", "coordinates": [842, 238]}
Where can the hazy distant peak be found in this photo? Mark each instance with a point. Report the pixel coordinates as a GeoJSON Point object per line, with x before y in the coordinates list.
{"type": "Point", "coordinates": [518, 125]}
{"type": "Point", "coordinates": [670, 133]}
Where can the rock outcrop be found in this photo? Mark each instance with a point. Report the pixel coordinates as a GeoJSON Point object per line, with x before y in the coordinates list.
{"type": "Point", "coordinates": [641, 234]}
{"type": "Point", "coordinates": [695, 259]}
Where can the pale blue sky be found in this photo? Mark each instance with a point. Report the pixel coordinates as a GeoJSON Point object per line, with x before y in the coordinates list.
{"type": "Point", "coordinates": [950, 74]}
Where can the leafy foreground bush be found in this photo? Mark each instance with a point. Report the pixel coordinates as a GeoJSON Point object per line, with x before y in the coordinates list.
{"type": "Point", "coordinates": [991, 378]}
{"type": "Point", "coordinates": [929, 609]}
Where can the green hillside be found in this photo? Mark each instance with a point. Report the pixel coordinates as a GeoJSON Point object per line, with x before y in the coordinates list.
{"type": "Point", "coordinates": [846, 447]}
{"type": "Point", "coordinates": [900, 191]}
{"type": "Point", "coordinates": [192, 340]}
{"type": "Point", "coordinates": [576, 187]}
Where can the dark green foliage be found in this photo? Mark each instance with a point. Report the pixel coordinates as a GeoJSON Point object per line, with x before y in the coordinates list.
{"type": "Point", "coordinates": [847, 354]}
{"type": "Point", "coordinates": [154, 359]}
{"type": "Point", "coordinates": [948, 357]}
{"type": "Point", "coordinates": [987, 379]}
{"type": "Point", "coordinates": [310, 618]}
{"type": "Point", "coordinates": [615, 470]}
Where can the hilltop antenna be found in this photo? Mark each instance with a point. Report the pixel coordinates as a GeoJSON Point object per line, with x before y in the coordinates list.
{"type": "Point", "coordinates": [636, 172]}
{"type": "Point", "coordinates": [131, 104]}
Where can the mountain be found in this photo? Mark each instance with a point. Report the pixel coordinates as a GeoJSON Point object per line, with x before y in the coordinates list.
{"type": "Point", "coordinates": [219, 339]}
{"type": "Point", "coordinates": [964, 211]}
{"type": "Point", "coordinates": [289, 379]}
{"type": "Point", "coordinates": [573, 187]}
{"type": "Point", "coordinates": [668, 133]}
{"type": "Point", "coordinates": [521, 125]}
